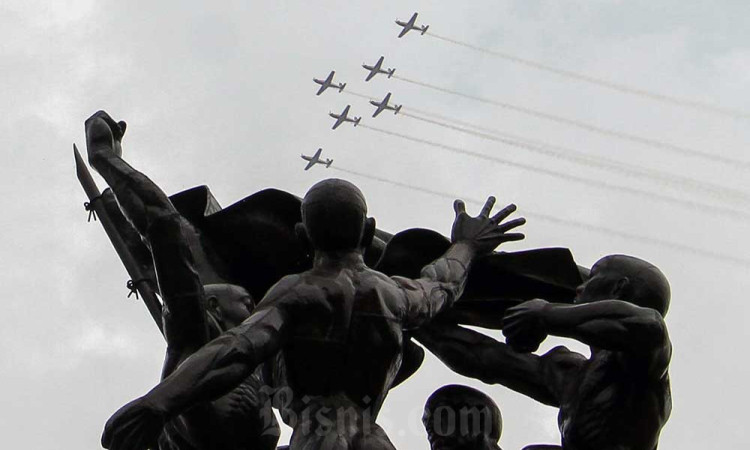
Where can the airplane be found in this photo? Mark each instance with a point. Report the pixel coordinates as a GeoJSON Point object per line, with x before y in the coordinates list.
{"type": "Point", "coordinates": [341, 118]}
{"type": "Point", "coordinates": [384, 105]}
{"type": "Point", "coordinates": [408, 26]}
{"type": "Point", "coordinates": [328, 82]}
{"type": "Point", "coordinates": [376, 69]}
{"type": "Point", "coordinates": [315, 159]}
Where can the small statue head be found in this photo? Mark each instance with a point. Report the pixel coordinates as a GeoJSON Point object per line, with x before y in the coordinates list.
{"type": "Point", "coordinates": [334, 216]}
{"type": "Point", "coordinates": [621, 277]}
{"type": "Point", "coordinates": [228, 304]}
{"type": "Point", "coordinates": [459, 417]}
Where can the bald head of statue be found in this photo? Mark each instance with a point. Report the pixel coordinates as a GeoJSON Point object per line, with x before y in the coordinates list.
{"type": "Point", "coordinates": [458, 417]}
{"type": "Point", "coordinates": [626, 278]}
{"type": "Point", "coordinates": [334, 216]}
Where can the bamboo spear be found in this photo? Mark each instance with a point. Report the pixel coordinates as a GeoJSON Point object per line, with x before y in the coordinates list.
{"type": "Point", "coordinates": [139, 282]}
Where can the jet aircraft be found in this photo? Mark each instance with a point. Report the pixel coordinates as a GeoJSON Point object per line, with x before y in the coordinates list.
{"type": "Point", "coordinates": [383, 105]}
{"type": "Point", "coordinates": [341, 118]}
{"type": "Point", "coordinates": [376, 69]}
{"type": "Point", "coordinates": [408, 26]}
{"type": "Point", "coordinates": [328, 82]}
{"type": "Point", "coordinates": [315, 159]}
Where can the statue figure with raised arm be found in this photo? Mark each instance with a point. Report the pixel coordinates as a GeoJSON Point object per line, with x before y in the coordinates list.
{"type": "Point", "coordinates": [619, 397]}
{"type": "Point", "coordinates": [193, 313]}
{"type": "Point", "coordinates": [338, 326]}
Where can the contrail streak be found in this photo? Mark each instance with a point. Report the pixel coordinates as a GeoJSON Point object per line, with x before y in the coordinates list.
{"type": "Point", "coordinates": [597, 184]}
{"type": "Point", "coordinates": [565, 222]}
{"type": "Point", "coordinates": [707, 107]}
{"type": "Point", "coordinates": [357, 94]}
{"type": "Point", "coordinates": [592, 128]}
{"type": "Point", "coordinates": [720, 192]}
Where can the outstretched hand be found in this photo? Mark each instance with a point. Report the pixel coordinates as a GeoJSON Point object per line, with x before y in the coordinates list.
{"type": "Point", "coordinates": [485, 233]}
{"type": "Point", "coordinates": [135, 426]}
{"type": "Point", "coordinates": [103, 135]}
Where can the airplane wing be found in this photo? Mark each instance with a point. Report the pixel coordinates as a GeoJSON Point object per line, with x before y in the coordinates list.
{"type": "Point", "coordinates": [339, 121]}
{"type": "Point", "coordinates": [372, 73]}
{"type": "Point", "coordinates": [404, 31]}
{"type": "Point", "coordinates": [412, 20]}
{"type": "Point", "coordinates": [322, 88]}
{"type": "Point", "coordinates": [310, 164]}
{"type": "Point", "coordinates": [316, 156]}
{"type": "Point", "coordinates": [381, 107]}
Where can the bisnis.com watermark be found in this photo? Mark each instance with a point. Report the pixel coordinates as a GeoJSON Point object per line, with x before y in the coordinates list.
{"type": "Point", "coordinates": [322, 416]}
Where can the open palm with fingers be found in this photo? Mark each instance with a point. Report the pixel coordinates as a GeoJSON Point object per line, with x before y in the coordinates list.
{"type": "Point", "coordinates": [485, 233]}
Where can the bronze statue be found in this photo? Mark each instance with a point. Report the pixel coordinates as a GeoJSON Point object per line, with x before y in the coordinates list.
{"type": "Point", "coordinates": [193, 313]}
{"type": "Point", "coordinates": [619, 398]}
{"type": "Point", "coordinates": [339, 328]}
{"type": "Point", "coordinates": [459, 417]}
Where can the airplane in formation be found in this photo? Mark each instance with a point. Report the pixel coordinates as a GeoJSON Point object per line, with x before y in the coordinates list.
{"type": "Point", "coordinates": [383, 105]}
{"type": "Point", "coordinates": [341, 118]}
{"type": "Point", "coordinates": [328, 82]}
{"type": "Point", "coordinates": [376, 69]}
{"type": "Point", "coordinates": [315, 159]}
{"type": "Point", "coordinates": [409, 25]}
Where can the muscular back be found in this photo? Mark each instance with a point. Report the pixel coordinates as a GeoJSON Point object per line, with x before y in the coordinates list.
{"type": "Point", "coordinates": [346, 336]}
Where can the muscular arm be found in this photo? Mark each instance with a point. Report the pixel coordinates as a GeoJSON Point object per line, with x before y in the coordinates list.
{"type": "Point", "coordinates": [223, 363]}
{"type": "Point", "coordinates": [440, 284]}
{"type": "Point", "coordinates": [608, 324]}
{"type": "Point", "coordinates": [475, 355]}
{"type": "Point", "coordinates": [168, 234]}
{"type": "Point", "coordinates": [140, 199]}
{"type": "Point", "coordinates": [209, 373]}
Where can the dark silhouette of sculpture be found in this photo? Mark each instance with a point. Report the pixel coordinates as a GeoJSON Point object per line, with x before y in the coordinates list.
{"type": "Point", "coordinates": [193, 313]}
{"type": "Point", "coordinates": [253, 243]}
{"type": "Point", "coordinates": [338, 327]}
{"type": "Point", "coordinates": [459, 417]}
{"type": "Point", "coordinates": [619, 398]}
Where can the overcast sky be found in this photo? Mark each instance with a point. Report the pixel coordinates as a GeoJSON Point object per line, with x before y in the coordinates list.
{"type": "Point", "coordinates": [223, 95]}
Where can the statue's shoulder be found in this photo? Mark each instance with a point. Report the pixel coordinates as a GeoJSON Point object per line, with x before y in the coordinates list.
{"type": "Point", "coordinates": [563, 358]}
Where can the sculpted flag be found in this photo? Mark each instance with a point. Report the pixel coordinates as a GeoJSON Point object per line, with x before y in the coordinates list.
{"type": "Point", "coordinates": [253, 243]}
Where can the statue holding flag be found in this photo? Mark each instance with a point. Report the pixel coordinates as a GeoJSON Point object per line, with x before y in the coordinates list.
{"type": "Point", "coordinates": [214, 264]}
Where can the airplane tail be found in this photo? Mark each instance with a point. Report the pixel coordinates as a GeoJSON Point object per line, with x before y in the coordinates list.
{"type": "Point", "coordinates": [341, 88]}
{"type": "Point", "coordinates": [328, 163]}
{"type": "Point", "coordinates": [398, 108]}
{"type": "Point", "coordinates": [424, 29]}
{"type": "Point", "coordinates": [356, 121]}
{"type": "Point", "coordinates": [390, 72]}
